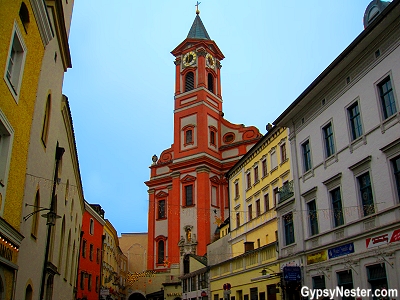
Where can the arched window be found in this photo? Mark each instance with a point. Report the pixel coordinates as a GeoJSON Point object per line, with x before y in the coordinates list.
{"type": "Point", "coordinates": [72, 264]}
{"type": "Point", "coordinates": [68, 254]}
{"type": "Point", "coordinates": [35, 218]}
{"type": "Point", "coordinates": [189, 81]}
{"type": "Point", "coordinates": [61, 250]}
{"type": "Point", "coordinates": [210, 82]}
{"type": "Point", "coordinates": [53, 230]}
{"type": "Point", "coordinates": [66, 192]}
{"type": "Point", "coordinates": [46, 120]}
{"type": "Point", "coordinates": [160, 252]}
{"type": "Point", "coordinates": [91, 228]}
{"type": "Point", "coordinates": [186, 264]}
{"type": "Point", "coordinates": [49, 287]}
{"type": "Point", "coordinates": [28, 292]}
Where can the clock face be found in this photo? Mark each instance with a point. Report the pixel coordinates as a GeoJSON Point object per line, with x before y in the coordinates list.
{"type": "Point", "coordinates": [210, 61]}
{"type": "Point", "coordinates": [189, 58]}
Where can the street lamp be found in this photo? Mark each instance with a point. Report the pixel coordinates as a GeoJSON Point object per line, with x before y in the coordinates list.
{"type": "Point", "coordinates": [51, 217]}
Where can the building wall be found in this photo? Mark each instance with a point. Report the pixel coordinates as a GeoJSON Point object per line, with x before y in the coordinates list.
{"type": "Point", "coordinates": [253, 185]}
{"type": "Point", "coordinates": [267, 165]}
{"type": "Point", "coordinates": [347, 239]}
{"type": "Point", "coordinates": [68, 201]}
{"type": "Point", "coordinates": [89, 277]}
{"type": "Point", "coordinates": [111, 274]}
{"type": "Point", "coordinates": [16, 112]}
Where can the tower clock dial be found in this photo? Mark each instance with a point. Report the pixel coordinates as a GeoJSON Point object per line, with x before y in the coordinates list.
{"type": "Point", "coordinates": [189, 58]}
{"type": "Point", "coordinates": [210, 61]}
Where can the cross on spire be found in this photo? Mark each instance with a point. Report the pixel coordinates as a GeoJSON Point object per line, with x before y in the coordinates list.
{"type": "Point", "coordinates": [197, 7]}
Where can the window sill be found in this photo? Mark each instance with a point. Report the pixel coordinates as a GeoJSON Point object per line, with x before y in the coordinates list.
{"type": "Point", "coordinates": [390, 121]}
{"type": "Point", "coordinates": [357, 143]}
{"type": "Point", "coordinates": [273, 170]}
{"type": "Point", "coordinates": [161, 219]}
{"type": "Point", "coordinates": [188, 206]}
{"type": "Point", "coordinates": [308, 174]}
{"type": "Point", "coordinates": [330, 160]}
{"type": "Point", "coordinates": [284, 161]}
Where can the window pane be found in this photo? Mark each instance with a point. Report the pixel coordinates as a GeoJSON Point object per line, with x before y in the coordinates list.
{"type": "Point", "coordinates": [355, 121]}
{"type": "Point", "coordinates": [387, 98]}
{"type": "Point", "coordinates": [161, 209]}
{"type": "Point", "coordinates": [306, 156]}
{"type": "Point", "coordinates": [313, 217]}
{"type": "Point", "coordinates": [189, 136]}
{"type": "Point", "coordinates": [366, 194]}
{"type": "Point", "coordinates": [289, 230]}
{"type": "Point", "coordinates": [329, 142]}
{"type": "Point", "coordinates": [189, 195]}
{"type": "Point", "coordinates": [396, 170]}
{"type": "Point", "coordinates": [337, 207]}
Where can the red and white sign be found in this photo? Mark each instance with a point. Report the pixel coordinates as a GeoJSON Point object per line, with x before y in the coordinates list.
{"type": "Point", "coordinates": [383, 239]}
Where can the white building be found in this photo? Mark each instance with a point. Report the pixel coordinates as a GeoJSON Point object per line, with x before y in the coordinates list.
{"type": "Point", "coordinates": [48, 255]}
{"type": "Point", "coordinates": [342, 226]}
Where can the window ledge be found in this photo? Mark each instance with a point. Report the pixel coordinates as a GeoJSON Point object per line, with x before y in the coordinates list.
{"type": "Point", "coordinates": [285, 161]}
{"type": "Point", "coordinates": [274, 169]}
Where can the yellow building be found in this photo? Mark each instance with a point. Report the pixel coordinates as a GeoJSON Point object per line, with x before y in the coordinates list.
{"type": "Point", "coordinates": [257, 182]}
{"type": "Point", "coordinates": [23, 38]}
{"type": "Point", "coordinates": [115, 264]}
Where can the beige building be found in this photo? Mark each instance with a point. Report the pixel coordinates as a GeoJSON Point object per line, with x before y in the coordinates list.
{"type": "Point", "coordinates": [24, 30]}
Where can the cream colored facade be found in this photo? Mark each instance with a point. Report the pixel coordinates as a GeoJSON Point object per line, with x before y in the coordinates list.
{"type": "Point", "coordinates": [257, 183]}
{"type": "Point", "coordinates": [345, 137]}
{"type": "Point", "coordinates": [48, 255]}
{"type": "Point", "coordinates": [134, 247]}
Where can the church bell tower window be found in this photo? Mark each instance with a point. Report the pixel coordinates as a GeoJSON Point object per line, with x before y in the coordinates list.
{"type": "Point", "coordinates": [189, 81]}
{"type": "Point", "coordinates": [210, 82]}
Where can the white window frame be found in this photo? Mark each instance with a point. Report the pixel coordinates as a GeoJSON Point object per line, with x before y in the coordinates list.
{"type": "Point", "coordinates": [14, 84]}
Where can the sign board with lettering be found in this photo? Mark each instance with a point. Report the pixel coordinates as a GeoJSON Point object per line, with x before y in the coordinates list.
{"type": "Point", "coordinates": [383, 239]}
{"type": "Point", "coordinates": [341, 250]}
{"type": "Point", "coordinates": [317, 257]}
{"type": "Point", "coordinates": [292, 273]}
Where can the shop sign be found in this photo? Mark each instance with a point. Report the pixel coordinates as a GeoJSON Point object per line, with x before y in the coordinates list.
{"type": "Point", "coordinates": [104, 292]}
{"type": "Point", "coordinates": [292, 273]}
{"type": "Point", "coordinates": [383, 239]}
{"type": "Point", "coordinates": [174, 294]}
{"type": "Point", "coordinates": [316, 257]}
{"type": "Point", "coordinates": [341, 250]}
{"type": "Point", "coordinates": [7, 249]}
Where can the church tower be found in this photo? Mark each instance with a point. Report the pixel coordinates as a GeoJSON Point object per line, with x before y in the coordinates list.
{"type": "Point", "coordinates": [188, 192]}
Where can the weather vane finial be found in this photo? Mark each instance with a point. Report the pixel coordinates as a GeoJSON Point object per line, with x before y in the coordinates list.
{"type": "Point", "coordinates": [197, 7]}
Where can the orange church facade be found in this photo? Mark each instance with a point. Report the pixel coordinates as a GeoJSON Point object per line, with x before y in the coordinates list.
{"type": "Point", "coordinates": [188, 192]}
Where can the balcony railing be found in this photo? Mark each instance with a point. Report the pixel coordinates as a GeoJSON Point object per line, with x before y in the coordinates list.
{"type": "Point", "coordinates": [286, 191]}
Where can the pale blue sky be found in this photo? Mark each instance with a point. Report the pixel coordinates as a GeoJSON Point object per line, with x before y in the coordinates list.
{"type": "Point", "coordinates": [121, 85]}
